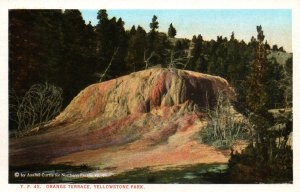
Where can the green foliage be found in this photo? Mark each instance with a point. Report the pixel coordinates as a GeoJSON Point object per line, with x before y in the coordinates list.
{"type": "Point", "coordinates": [268, 158]}
{"type": "Point", "coordinates": [260, 35]}
{"type": "Point", "coordinates": [198, 60]}
{"type": "Point", "coordinates": [171, 31]}
{"type": "Point", "coordinates": [275, 85]}
{"type": "Point", "coordinates": [224, 126]}
{"type": "Point", "coordinates": [275, 48]}
{"type": "Point", "coordinates": [137, 45]}
{"type": "Point", "coordinates": [287, 83]}
{"type": "Point", "coordinates": [111, 35]}
{"type": "Point", "coordinates": [154, 24]}
{"type": "Point", "coordinates": [158, 46]}
{"type": "Point", "coordinates": [102, 16]}
{"type": "Point", "coordinates": [51, 46]}
{"type": "Point", "coordinates": [78, 53]}
{"type": "Point", "coordinates": [158, 49]}
{"type": "Point", "coordinates": [256, 93]}
{"type": "Point", "coordinates": [231, 60]}
{"type": "Point", "coordinates": [32, 52]}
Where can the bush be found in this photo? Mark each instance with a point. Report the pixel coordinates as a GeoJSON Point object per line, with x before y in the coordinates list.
{"type": "Point", "coordinates": [224, 125]}
{"type": "Point", "coordinates": [269, 159]}
{"type": "Point", "coordinates": [40, 104]}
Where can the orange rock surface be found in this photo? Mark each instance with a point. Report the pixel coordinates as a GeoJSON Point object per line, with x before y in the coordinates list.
{"type": "Point", "coordinates": [149, 118]}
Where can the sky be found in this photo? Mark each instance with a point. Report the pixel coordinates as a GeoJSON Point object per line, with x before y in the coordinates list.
{"type": "Point", "coordinates": [276, 23]}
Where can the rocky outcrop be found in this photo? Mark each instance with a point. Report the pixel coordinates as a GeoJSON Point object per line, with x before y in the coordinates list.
{"type": "Point", "coordinates": [147, 118]}
{"type": "Point", "coordinates": [143, 91]}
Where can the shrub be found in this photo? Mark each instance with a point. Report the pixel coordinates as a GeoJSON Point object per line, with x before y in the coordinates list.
{"type": "Point", "coordinates": [40, 104]}
{"type": "Point", "coordinates": [268, 159]}
{"type": "Point", "coordinates": [224, 125]}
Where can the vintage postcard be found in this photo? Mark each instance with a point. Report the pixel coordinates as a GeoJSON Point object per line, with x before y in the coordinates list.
{"type": "Point", "coordinates": [109, 97]}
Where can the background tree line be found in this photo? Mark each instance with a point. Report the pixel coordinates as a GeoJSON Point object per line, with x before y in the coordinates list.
{"type": "Point", "coordinates": [57, 47]}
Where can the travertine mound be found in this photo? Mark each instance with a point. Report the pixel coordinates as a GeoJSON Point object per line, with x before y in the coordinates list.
{"type": "Point", "coordinates": [144, 91]}
{"type": "Point", "coordinates": [147, 118]}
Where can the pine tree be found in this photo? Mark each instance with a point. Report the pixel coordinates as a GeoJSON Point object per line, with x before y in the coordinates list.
{"type": "Point", "coordinates": [111, 36]}
{"type": "Point", "coordinates": [35, 44]}
{"type": "Point", "coordinates": [89, 52]}
{"type": "Point", "coordinates": [197, 61]}
{"type": "Point", "coordinates": [152, 35]}
{"type": "Point", "coordinates": [121, 43]}
{"type": "Point", "coordinates": [102, 16]}
{"type": "Point", "coordinates": [23, 46]}
{"type": "Point", "coordinates": [267, 156]}
{"type": "Point", "coordinates": [150, 53]}
{"type": "Point", "coordinates": [154, 24]}
{"type": "Point", "coordinates": [171, 31]}
{"type": "Point", "coordinates": [136, 46]}
{"type": "Point", "coordinates": [275, 48]}
{"type": "Point", "coordinates": [257, 98]}
{"type": "Point", "coordinates": [256, 93]}
{"type": "Point", "coordinates": [132, 31]}
{"type": "Point", "coordinates": [78, 56]}
{"type": "Point", "coordinates": [232, 38]}
{"type": "Point", "coordinates": [35, 49]}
